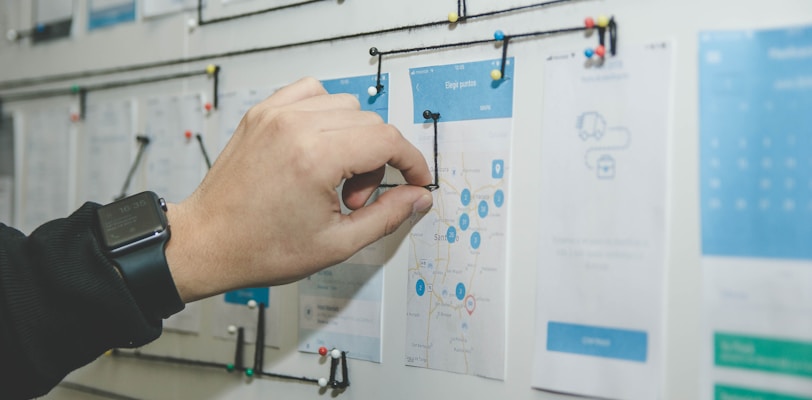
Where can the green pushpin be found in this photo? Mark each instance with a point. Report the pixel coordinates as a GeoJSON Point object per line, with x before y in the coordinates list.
{"type": "Point", "coordinates": [249, 372]}
{"type": "Point", "coordinates": [230, 367]}
{"type": "Point", "coordinates": [75, 89]}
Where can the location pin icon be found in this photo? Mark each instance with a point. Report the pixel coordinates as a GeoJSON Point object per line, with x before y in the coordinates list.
{"type": "Point", "coordinates": [470, 304]}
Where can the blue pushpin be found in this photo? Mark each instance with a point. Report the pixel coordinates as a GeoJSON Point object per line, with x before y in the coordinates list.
{"type": "Point", "coordinates": [499, 35]}
{"type": "Point", "coordinates": [40, 27]}
{"type": "Point", "coordinates": [589, 53]}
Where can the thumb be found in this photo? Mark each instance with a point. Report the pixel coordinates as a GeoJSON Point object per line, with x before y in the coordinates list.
{"type": "Point", "coordinates": [386, 214]}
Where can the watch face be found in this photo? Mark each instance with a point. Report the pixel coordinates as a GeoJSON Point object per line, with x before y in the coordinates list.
{"type": "Point", "coordinates": [131, 219]}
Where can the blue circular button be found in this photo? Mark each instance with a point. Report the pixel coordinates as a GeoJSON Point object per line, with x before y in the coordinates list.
{"type": "Point", "coordinates": [475, 240]}
{"type": "Point", "coordinates": [451, 235]}
{"type": "Point", "coordinates": [460, 291]}
{"type": "Point", "coordinates": [464, 221]}
{"type": "Point", "coordinates": [465, 197]}
{"type": "Point", "coordinates": [499, 198]}
{"type": "Point", "coordinates": [482, 210]}
{"type": "Point", "coordinates": [420, 287]}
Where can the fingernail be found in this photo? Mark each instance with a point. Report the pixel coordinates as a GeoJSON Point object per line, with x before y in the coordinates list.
{"type": "Point", "coordinates": [423, 203]}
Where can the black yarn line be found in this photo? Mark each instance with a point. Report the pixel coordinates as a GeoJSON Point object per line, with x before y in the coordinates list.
{"type": "Point", "coordinates": [95, 391]}
{"type": "Point", "coordinates": [199, 138]}
{"type": "Point", "coordinates": [259, 343]}
{"type": "Point", "coordinates": [105, 86]}
{"type": "Point", "coordinates": [182, 361]}
{"type": "Point", "coordinates": [138, 67]}
{"type": "Point", "coordinates": [201, 22]}
{"type": "Point", "coordinates": [143, 141]}
{"type": "Point", "coordinates": [432, 186]}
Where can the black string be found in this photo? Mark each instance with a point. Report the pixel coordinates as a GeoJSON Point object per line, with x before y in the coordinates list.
{"type": "Point", "coordinates": [137, 67]}
{"type": "Point", "coordinates": [259, 349]}
{"type": "Point", "coordinates": [38, 94]}
{"type": "Point", "coordinates": [201, 22]}
{"type": "Point", "coordinates": [183, 361]}
{"type": "Point", "coordinates": [203, 150]}
{"type": "Point", "coordinates": [238, 354]}
{"type": "Point", "coordinates": [94, 391]}
{"type": "Point", "coordinates": [374, 50]}
{"type": "Point", "coordinates": [427, 114]}
{"type": "Point", "coordinates": [143, 141]}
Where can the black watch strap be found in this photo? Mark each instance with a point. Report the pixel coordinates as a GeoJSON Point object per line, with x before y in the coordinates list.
{"type": "Point", "coordinates": [146, 273]}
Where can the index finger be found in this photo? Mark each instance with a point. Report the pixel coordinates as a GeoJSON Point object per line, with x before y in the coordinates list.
{"type": "Point", "coordinates": [302, 89]}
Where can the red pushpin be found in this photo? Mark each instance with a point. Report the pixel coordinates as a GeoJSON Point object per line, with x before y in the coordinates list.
{"type": "Point", "coordinates": [600, 51]}
{"type": "Point", "coordinates": [589, 23]}
{"type": "Point", "coordinates": [207, 106]}
{"type": "Point", "coordinates": [188, 134]}
{"type": "Point", "coordinates": [74, 117]}
{"type": "Point", "coordinates": [322, 351]}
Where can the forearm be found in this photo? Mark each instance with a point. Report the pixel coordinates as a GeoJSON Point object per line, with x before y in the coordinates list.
{"type": "Point", "coordinates": [62, 304]}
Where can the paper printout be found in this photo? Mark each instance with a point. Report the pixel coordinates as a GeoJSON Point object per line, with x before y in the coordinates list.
{"type": "Point", "coordinates": [154, 8]}
{"type": "Point", "coordinates": [103, 13]}
{"type": "Point", "coordinates": [340, 307]}
{"type": "Point", "coordinates": [46, 167]}
{"type": "Point", "coordinates": [455, 316]}
{"type": "Point", "coordinates": [7, 161]}
{"type": "Point", "coordinates": [106, 150]}
{"type": "Point", "coordinates": [174, 160]}
{"type": "Point", "coordinates": [755, 91]}
{"type": "Point", "coordinates": [602, 235]}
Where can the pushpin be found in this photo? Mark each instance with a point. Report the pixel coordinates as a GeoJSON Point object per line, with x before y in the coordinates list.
{"type": "Point", "coordinates": [211, 69]}
{"type": "Point", "coordinates": [229, 367]}
{"type": "Point", "coordinates": [589, 53]}
{"type": "Point", "coordinates": [600, 51]}
{"type": "Point", "coordinates": [191, 23]}
{"type": "Point", "coordinates": [589, 23]}
{"type": "Point", "coordinates": [322, 382]}
{"type": "Point", "coordinates": [75, 89]}
{"type": "Point", "coordinates": [499, 35]}
{"type": "Point", "coordinates": [232, 329]}
{"type": "Point", "coordinates": [322, 351]}
{"type": "Point", "coordinates": [603, 21]}
{"type": "Point", "coordinates": [12, 35]}
{"type": "Point", "coordinates": [372, 91]}
{"type": "Point", "coordinates": [187, 134]}
{"type": "Point", "coordinates": [335, 353]}
{"type": "Point", "coordinates": [453, 17]}
{"type": "Point", "coordinates": [40, 28]}
{"type": "Point", "coordinates": [249, 372]}
{"type": "Point", "coordinates": [207, 106]}
{"type": "Point", "coordinates": [496, 74]}
{"type": "Point", "coordinates": [252, 304]}
{"type": "Point", "coordinates": [74, 117]}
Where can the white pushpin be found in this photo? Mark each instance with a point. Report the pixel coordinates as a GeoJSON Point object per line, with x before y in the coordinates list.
{"type": "Point", "coordinates": [191, 23]}
{"type": "Point", "coordinates": [12, 35]}
{"type": "Point", "coordinates": [335, 353]}
{"type": "Point", "coordinates": [252, 304]}
{"type": "Point", "coordinates": [372, 90]}
{"type": "Point", "coordinates": [232, 329]}
{"type": "Point", "coordinates": [322, 382]}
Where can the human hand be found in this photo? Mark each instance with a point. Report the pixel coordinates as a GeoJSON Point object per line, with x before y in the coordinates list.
{"type": "Point", "coordinates": [268, 212]}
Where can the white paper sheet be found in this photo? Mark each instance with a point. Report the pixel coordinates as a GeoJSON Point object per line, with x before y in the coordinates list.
{"type": "Point", "coordinates": [46, 166]}
{"type": "Point", "coordinates": [455, 315]}
{"type": "Point", "coordinates": [340, 307]}
{"type": "Point", "coordinates": [153, 8]}
{"type": "Point", "coordinates": [174, 161]}
{"type": "Point", "coordinates": [106, 150]}
{"type": "Point", "coordinates": [7, 166]}
{"type": "Point", "coordinates": [603, 224]}
{"type": "Point", "coordinates": [756, 205]}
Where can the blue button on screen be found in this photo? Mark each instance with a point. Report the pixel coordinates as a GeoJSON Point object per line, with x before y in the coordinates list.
{"type": "Point", "coordinates": [597, 341]}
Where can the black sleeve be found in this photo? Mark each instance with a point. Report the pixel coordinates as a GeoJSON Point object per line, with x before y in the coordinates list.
{"type": "Point", "coordinates": [62, 304]}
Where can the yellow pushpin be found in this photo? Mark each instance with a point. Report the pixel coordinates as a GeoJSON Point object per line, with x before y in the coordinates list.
{"type": "Point", "coordinates": [453, 17]}
{"type": "Point", "coordinates": [211, 69]}
{"type": "Point", "coordinates": [496, 74]}
{"type": "Point", "coordinates": [603, 21]}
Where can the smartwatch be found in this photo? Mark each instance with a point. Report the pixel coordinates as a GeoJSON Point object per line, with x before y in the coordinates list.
{"type": "Point", "coordinates": [134, 232]}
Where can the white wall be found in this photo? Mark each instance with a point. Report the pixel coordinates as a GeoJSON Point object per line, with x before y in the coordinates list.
{"type": "Point", "coordinates": [639, 21]}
